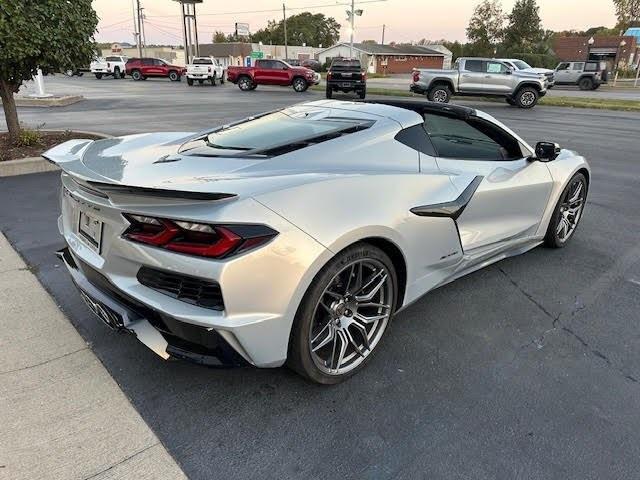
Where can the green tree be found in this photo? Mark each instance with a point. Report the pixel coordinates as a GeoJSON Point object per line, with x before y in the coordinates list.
{"type": "Point", "coordinates": [219, 37]}
{"type": "Point", "coordinates": [312, 29]}
{"type": "Point", "coordinates": [628, 12]}
{"type": "Point", "coordinates": [524, 30]}
{"type": "Point", "coordinates": [53, 35]}
{"type": "Point", "coordinates": [485, 28]}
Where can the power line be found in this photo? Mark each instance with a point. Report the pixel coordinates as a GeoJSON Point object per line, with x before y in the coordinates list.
{"type": "Point", "coordinates": [274, 10]}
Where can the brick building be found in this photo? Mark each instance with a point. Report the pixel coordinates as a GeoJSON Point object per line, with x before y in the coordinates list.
{"type": "Point", "coordinates": [390, 59]}
{"type": "Point", "coordinates": [619, 51]}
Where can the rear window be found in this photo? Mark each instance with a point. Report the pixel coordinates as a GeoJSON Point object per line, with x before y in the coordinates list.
{"type": "Point", "coordinates": [275, 133]}
{"type": "Point", "coordinates": [279, 128]}
{"type": "Point", "coordinates": [346, 64]}
{"type": "Point", "coordinates": [202, 61]}
{"type": "Point", "coordinates": [113, 59]}
{"type": "Point", "coordinates": [473, 66]}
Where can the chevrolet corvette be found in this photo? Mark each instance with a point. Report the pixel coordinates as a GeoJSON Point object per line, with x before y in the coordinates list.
{"type": "Point", "coordinates": [293, 237]}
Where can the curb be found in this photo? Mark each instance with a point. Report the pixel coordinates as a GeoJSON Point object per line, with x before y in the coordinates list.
{"type": "Point", "coordinates": [48, 102]}
{"type": "Point", "coordinates": [26, 166]}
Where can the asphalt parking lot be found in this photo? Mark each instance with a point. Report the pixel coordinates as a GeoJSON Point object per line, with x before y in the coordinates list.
{"type": "Point", "coordinates": [528, 369]}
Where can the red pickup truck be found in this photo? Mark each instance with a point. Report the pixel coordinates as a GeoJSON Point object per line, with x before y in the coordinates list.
{"type": "Point", "coordinates": [272, 72]}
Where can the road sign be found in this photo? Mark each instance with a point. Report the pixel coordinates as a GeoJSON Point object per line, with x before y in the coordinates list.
{"type": "Point", "coordinates": [242, 29]}
{"type": "Point", "coordinates": [257, 54]}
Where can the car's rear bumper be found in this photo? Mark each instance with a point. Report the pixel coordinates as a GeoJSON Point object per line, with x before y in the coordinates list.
{"type": "Point", "coordinates": [346, 85]}
{"type": "Point", "coordinates": [165, 335]}
{"type": "Point", "coordinates": [416, 88]}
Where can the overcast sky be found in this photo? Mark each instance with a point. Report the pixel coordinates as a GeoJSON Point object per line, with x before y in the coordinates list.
{"type": "Point", "coordinates": [405, 20]}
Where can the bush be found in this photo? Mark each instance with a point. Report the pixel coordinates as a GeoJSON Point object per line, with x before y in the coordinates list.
{"type": "Point", "coordinates": [28, 138]}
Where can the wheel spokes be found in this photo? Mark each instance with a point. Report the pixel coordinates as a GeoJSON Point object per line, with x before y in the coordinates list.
{"type": "Point", "coordinates": [374, 290]}
{"type": "Point", "coordinates": [327, 338]}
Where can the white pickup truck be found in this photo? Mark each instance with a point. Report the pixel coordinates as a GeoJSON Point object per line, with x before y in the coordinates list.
{"type": "Point", "coordinates": [114, 65]}
{"type": "Point", "coordinates": [205, 68]}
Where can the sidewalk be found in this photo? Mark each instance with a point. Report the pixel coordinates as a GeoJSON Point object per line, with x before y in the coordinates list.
{"type": "Point", "coordinates": [62, 416]}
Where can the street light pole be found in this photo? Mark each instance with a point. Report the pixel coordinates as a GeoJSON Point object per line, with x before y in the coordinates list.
{"type": "Point", "coordinates": [284, 19]}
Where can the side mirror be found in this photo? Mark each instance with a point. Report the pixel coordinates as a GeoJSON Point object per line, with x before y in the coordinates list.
{"type": "Point", "coordinates": [547, 151]}
{"type": "Point", "coordinates": [509, 71]}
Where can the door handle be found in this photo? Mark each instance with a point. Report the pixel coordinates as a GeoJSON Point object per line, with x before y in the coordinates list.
{"type": "Point", "coordinates": [466, 76]}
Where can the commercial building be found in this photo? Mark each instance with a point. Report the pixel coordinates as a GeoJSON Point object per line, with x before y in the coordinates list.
{"type": "Point", "coordinates": [616, 51]}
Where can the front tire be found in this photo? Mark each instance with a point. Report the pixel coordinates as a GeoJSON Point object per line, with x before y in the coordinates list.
{"type": "Point", "coordinates": [173, 76]}
{"type": "Point", "coordinates": [98, 76]}
{"type": "Point", "coordinates": [568, 212]}
{"type": "Point", "coordinates": [439, 94]}
{"type": "Point", "coordinates": [300, 85]}
{"type": "Point", "coordinates": [527, 97]}
{"type": "Point", "coordinates": [343, 315]}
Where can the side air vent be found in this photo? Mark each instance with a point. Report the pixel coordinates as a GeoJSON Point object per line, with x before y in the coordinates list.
{"type": "Point", "coordinates": [193, 290]}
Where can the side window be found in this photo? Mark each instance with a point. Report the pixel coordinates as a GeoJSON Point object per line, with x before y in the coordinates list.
{"type": "Point", "coordinates": [278, 65]}
{"type": "Point", "coordinates": [563, 66]}
{"type": "Point", "coordinates": [578, 66]}
{"type": "Point", "coordinates": [496, 67]}
{"type": "Point", "coordinates": [147, 62]}
{"type": "Point", "coordinates": [591, 67]}
{"type": "Point", "coordinates": [416, 137]}
{"type": "Point", "coordinates": [473, 139]}
{"type": "Point", "coordinates": [473, 65]}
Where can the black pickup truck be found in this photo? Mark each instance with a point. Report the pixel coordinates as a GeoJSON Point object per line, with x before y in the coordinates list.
{"type": "Point", "coordinates": [346, 75]}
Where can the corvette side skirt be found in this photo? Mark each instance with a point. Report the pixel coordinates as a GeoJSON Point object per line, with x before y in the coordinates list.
{"type": "Point", "coordinates": [451, 209]}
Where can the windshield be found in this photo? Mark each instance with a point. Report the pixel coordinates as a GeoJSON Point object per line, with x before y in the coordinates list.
{"type": "Point", "coordinates": [520, 65]}
{"type": "Point", "coordinates": [277, 128]}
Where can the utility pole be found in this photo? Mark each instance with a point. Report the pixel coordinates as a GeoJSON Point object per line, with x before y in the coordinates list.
{"type": "Point", "coordinates": [195, 31]}
{"type": "Point", "coordinates": [184, 33]}
{"type": "Point", "coordinates": [353, 14]}
{"type": "Point", "coordinates": [383, 27]}
{"type": "Point", "coordinates": [138, 12]}
{"type": "Point", "coordinates": [284, 17]}
{"type": "Point", "coordinates": [135, 21]}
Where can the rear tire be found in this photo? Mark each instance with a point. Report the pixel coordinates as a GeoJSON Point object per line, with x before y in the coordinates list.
{"type": "Point", "coordinates": [245, 83]}
{"type": "Point", "coordinates": [563, 224]}
{"type": "Point", "coordinates": [362, 93]}
{"type": "Point", "coordinates": [222, 79]}
{"type": "Point", "coordinates": [136, 75]}
{"type": "Point", "coordinates": [116, 73]}
{"type": "Point", "coordinates": [439, 94]}
{"type": "Point", "coordinates": [355, 272]}
{"type": "Point", "coordinates": [585, 84]}
{"type": "Point", "coordinates": [213, 79]}
{"type": "Point", "coordinates": [527, 97]}
{"type": "Point", "coordinates": [329, 92]}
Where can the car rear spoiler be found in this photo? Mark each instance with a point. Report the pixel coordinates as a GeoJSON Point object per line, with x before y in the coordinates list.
{"type": "Point", "coordinates": [68, 157]}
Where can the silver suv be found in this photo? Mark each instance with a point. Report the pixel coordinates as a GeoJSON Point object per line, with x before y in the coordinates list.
{"type": "Point", "coordinates": [481, 77]}
{"type": "Point", "coordinates": [586, 75]}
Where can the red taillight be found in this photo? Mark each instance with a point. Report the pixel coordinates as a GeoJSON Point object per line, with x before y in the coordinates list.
{"type": "Point", "coordinates": [199, 239]}
{"type": "Point", "coordinates": [329, 76]}
{"type": "Point", "coordinates": [416, 76]}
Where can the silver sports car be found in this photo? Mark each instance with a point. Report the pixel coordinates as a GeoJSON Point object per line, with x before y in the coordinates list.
{"type": "Point", "coordinates": [294, 236]}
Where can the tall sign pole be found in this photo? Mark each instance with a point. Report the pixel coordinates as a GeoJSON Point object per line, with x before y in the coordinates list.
{"type": "Point", "coordinates": [139, 14]}
{"type": "Point", "coordinates": [284, 19]}
{"type": "Point", "coordinates": [184, 33]}
{"type": "Point", "coordinates": [353, 14]}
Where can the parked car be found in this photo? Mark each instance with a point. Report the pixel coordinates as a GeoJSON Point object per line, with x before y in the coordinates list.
{"type": "Point", "coordinates": [294, 62]}
{"type": "Point", "coordinates": [346, 75]}
{"type": "Point", "coordinates": [480, 77]}
{"type": "Point", "coordinates": [586, 75]}
{"type": "Point", "coordinates": [523, 66]}
{"type": "Point", "coordinates": [205, 68]}
{"type": "Point", "coordinates": [313, 64]}
{"type": "Point", "coordinates": [295, 236]}
{"type": "Point", "coordinates": [109, 66]}
{"type": "Point", "coordinates": [272, 72]}
{"type": "Point", "coordinates": [142, 68]}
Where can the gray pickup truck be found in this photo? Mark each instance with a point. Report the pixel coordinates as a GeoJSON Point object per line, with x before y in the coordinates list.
{"type": "Point", "coordinates": [480, 77]}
